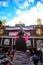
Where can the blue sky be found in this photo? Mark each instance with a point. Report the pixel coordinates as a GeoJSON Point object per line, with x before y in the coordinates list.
{"type": "Point", "coordinates": [27, 11]}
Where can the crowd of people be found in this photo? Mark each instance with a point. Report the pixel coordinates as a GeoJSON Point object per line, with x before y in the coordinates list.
{"type": "Point", "coordinates": [22, 55]}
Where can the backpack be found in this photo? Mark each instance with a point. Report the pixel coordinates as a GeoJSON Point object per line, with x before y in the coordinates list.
{"type": "Point", "coordinates": [35, 57]}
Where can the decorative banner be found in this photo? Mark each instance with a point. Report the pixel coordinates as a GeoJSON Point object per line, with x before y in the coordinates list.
{"type": "Point", "coordinates": [15, 33]}
{"type": "Point", "coordinates": [12, 33]}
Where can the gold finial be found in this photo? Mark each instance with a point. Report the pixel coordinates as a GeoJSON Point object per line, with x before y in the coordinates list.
{"type": "Point", "coordinates": [3, 23]}
{"type": "Point", "coordinates": [20, 22]}
{"type": "Point", "coordinates": [39, 21]}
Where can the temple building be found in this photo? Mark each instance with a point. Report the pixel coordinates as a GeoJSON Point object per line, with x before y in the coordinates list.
{"type": "Point", "coordinates": [35, 33]}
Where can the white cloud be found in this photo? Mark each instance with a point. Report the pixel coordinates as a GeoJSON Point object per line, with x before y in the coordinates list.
{"type": "Point", "coordinates": [4, 17]}
{"type": "Point", "coordinates": [29, 17]}
{"type": "Point", "coordinates": [4, 3]}
{"type": "Point", "coordinates": [26, 4]}
{"type": "Point", "coordinates": [22, 5]}
{"type": "Point", "coordinates": [0, 2]}
{"type": "Point", "coordinates": [17, 1]}
{"type": "Point", "coordinates": [31, 1]}
{"type": "Point", "coordinates": [19, 11]}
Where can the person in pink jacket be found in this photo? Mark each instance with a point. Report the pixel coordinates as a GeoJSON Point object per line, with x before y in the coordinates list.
{"type": "Point", "coordinates": [22, 33]}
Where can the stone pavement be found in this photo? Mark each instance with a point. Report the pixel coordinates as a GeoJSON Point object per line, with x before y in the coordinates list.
{"type": "Point", "coordinates": [38, 63]}
{"type": "Point", "coordinates": [29, 63]}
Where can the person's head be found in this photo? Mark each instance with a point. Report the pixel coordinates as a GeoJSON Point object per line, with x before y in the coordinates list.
{"type": "Point", "coordinates": [38, 49]}
{"type": "Point", "coordinates": [20, 44]}
{"type": "Point", "coordinates": [28, 51]}
{"type": "Point", "coordinates": [21, 33]}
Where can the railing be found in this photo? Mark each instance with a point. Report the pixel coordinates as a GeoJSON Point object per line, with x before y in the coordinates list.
{"type": "Point", "coordinates": [32, 38]}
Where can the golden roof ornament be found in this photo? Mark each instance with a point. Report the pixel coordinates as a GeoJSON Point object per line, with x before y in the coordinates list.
{"type": "Point", "coordinates": [20, 22]}
{"type": "Point", "coordinates": [39, 21]}
{"type": "Point", "coordinates": [3, 22]}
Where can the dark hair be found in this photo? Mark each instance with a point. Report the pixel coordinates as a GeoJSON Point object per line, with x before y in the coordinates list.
{"type": "Point", "coordinates": [20, 44]}
{"type": "Point", "coordinates": [21, 33]}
